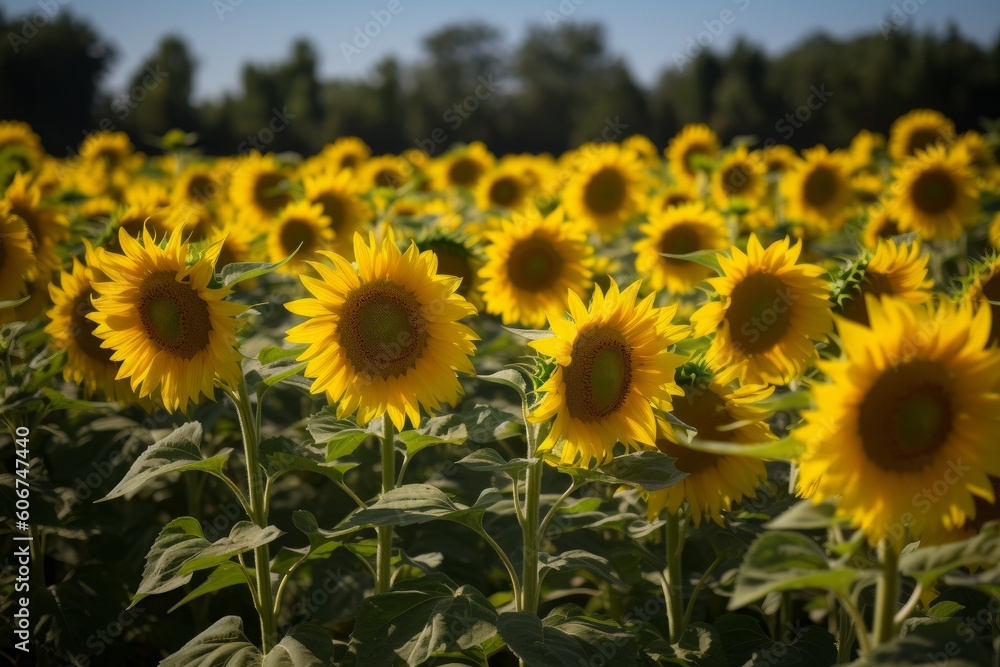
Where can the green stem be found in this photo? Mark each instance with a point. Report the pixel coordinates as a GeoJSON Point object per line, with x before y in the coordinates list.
{"type": "Point", "coordinates": [886, 594]}
{"type": "Point", "coordinates": [689, 613]}
{"type": "Point", "coordinates": [383, 554]}
{"type": "Point", "coordinates": [258, 514]}
{"type": "Point", "coordinates": [673, 589]}
{"type": "Point", "coordinates": [530, 590]}
{"type": "Point", "coordinates": [860, 628]}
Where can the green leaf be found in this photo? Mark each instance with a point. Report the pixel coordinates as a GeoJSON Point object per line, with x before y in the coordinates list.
{"type": "Point", "coordinates": [531, 334]}
{"type": "Point", "coordinates": [568, 637]}
{"type": "Point", "coordinates": [699, 646]}
{"type": "Point", "coordinates": [281, 455]}
{"type": "Point", "coordinates": [928, 564]}
{"type": "Point", "coordinates": [60, 401]}
{"type": "Point", "coordinates": [929, 645]}
{"type": "Point", "coordinates": [425, 618]}
{"type": "Point", "coordinates": [479, 424]}
{"type": "Point", "coordinates": [223, 644]}
{"type": "Point", "coordinates": [784, 561]}
{"type": "Point", "coordinates": [419, 503]}
{"type": "Point", "coordinates": [942, 611]}
{"type": "Point", "coordinates": [271, 353]}
{"type": "Point", "coordinates": [511, 378]}
{"type": "Point", "coordinates": [178, 452]}
{"type": "Point", "coordinates": [789, 400]}
{"type": "Point", "coordinates": [225, 575]}
{"type": "Point", "coordinates": [786, 449]}
{"type": "Point", "coordinates": [489, 460]}
{"type": "Point", "coordinates": [746, 644]}
{"type": "Point", "coordinates": [278, 373]}
{"type": "Point", "coordinates": [321, 544]}
{"type": "Point", "coordinates": [181, 549]}
{"type": "Point", "coordinates": [237, 272]}
{"type": "Point", "coordinates": [806, 515]}
{"type": "Point", "coordinates": [341, 436]}
{"type": "Point", "coordinates": [708, 258]}
{"type": "Point", "coordinates": [4, 305]}
{"type": "Point", "coordinates": [648, 469]}
{"type": "Point", "coordinates": [578, 559]}
{"type": "Point", "coordinates": [303, 645]}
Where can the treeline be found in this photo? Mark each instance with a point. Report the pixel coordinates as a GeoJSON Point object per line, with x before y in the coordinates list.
{"type": "Point", "coordinates": [558, 87]}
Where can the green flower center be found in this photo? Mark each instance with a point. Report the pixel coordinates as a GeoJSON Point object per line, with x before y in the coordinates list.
{"type": "Point", "coordinates": [599, 377]}
{"type": "Point", "coordinates": [382, 329]}
{"type": "Point", "coordinates": [173, 315]}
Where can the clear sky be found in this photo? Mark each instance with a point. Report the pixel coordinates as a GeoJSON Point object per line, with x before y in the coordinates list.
{"type": "Point", "coordinates": [223, 34]}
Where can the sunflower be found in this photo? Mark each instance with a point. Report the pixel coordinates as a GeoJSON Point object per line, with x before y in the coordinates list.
{"type": "Point", "coordinates": [340, 199]}
{"type": "Point", "coordinates": [384, 171]}
{"type": "Point", "coordinates": [864, 147]}
{"type": "Point", "coordinates": [98, 208]}
{"type": "Point", "coordinates": [976, 152]}
{"type": "Point", "coordinates": [171, 333]}
{"type": "Point", "coordinates": [299, 224]}
{"type": "Point", "coordinates": [936, 194]}
{"type": "Point", "coordinates": [607, 190]}
{"type": "Point", "coordinates": [678, 231]}
{"type": "Point", "coordinates": [612, 365]}
{"type": "Point", "coordinates": [532, 263]}
{"type": "Point", "coordinates": [198, 186]}
{"type": "Point", "coordinates": [502, 188]}
{"type": "Point", "coordinates": [675, 195]}
{"type": "Point", "coordinates": [719, 412]}
{"type": "Point", "coordinates": [739, 182]}
{"type": "Point", "coordinates": [462, 168]}
{"type": "Point", "coordinates": [777, 159]}
{"type": "Point", "coordinates": [106, 150]}
{"type": "Point", "coordinates": [88, 364]}
{"type": "Point", "coordinates": [17, 258]}
{"type": "Point", "coordinates": [686, 151]}
{"type": "Point", "coordinates": [642, 146]}
{"type": "Point", "coordinates": [817, 190]}
{"type": "Point", "coordinates": [236, 239]}
{"type": "Point", "coordinates": [456, 257]}
{"type": "Point", "coordinates": [985, 287]}
{"type": "Point", "coordinates": [892, 270]}
{"type": "Point", "coordinates": [919, 130]}
{"type": "Point", "coordinates": [135, 218]}
{"type": "Point", "coordinates": [984, 511]}
{"type": "Point", "coordinates": [47, 227]}
{"type": "Point", "coordinates": [20, 150]}
{"type": "Point", "coordinates": [346, 153]}
{"type": "Point", "coordinates": [385, 337]}
{"type": "Point", "coordinates": [769, 313]}
{"type": "Point", "coordinates": [994, 231]}
{"type": "Point", "coordinates": [914, 400]}
{"type": "Point", "coordinates": [259, 187]}
{"type": "Point", "coordinates": [883, 223]}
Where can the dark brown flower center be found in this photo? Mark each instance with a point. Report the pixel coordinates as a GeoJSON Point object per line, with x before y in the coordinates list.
{"type": "Point", "coordinates": [505, 192]}
{"type": "Point", "coordinates": [907, 416]}
{"type": "Point", "coordinates": [173, 315]}
{"type": "Point", "coordinates": [759, 312]}
{"type": "Point", "coordinates": [599, 377]}
{"type": "Point", "coordinates": [605, 192]}
{"type": "Point", "coordinates": [922, 138]}
{"type": "Point", "coordinates": [706, 412]}
{"type": "Point", "coordinates": [534, 265]}
{"type": "Point", "coordinates": [382, 329]}
{"type": "Point", "coordinates": [679, 240]}
{"type": "Point", "coordinates": [464, 172]}
{"type": "Point", "coordinates": [821, 187]}
{"type": "Point", "coordinates": [934, 191]}
{"type": "Point", "coordinates": [294, 232]}
{"type": "Point", "coordinates": [268, 194]}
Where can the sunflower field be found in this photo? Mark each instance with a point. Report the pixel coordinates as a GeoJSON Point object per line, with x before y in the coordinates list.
{"type": "Point", "coordinates": [716, 406]}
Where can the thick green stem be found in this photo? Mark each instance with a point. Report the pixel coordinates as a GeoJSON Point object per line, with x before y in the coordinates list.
{"type": "Point", "coordinates": [259, 515]}
{"type": "Point", "coordinates": [886, 594]}
{"type": "Point", "coordinates": [383, 554]}
{"type": "Point", "coordinates": [530, 591]}
{"type": "Point", "coordinates": [673, 588]}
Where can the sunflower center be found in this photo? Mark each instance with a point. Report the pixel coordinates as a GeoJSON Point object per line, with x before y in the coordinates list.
{"type": "Point", "coordinates": [452, 262]}
{"type": "Point", "coordinates": [82, 329]}
{"type": "Point", "coordinates": [759, 312]}
{"type": "Point", "coordinates": [705, 411]}
{"type": "Point", "coordinates": [335, 208]}
{"type": "Point", "coordinates": [907, 416]}
{"type": "Point", "coordinates": [737, 179]}
{"type": "Point", "coordinates": [295, 232]}
{"type": "Point", "coordinates": [889, 228]}
{"type": "Point", "coordinates": [173, 315]}
{"type": "Point", "coordinates": [820, 187]}
{"type": "Point", "coordinates": [267, 193]}
{"type": "Point", "coordinates": [605, 192]}
{"type": "Point", "coordinates": [389, 178]}
{"type": "Point", "coordinates": [349, 161]}
{"type": "Point", "coordinates": [934, 191]}
{"type": "Point", "coordinates": [599, 377]}
{"type": "Point", "coordinates": [534, 265]}
{"type": "Point", "coordinates": [679, 240]}
{"type": "Point", "coordinates": [923, 138]}
{"type": "Point", "coordinates": [692, 155]}
{"type": "Point", "coordinates": [675, 199]}
{"type": "Point", "coordinates": [875, 284]}
{"type": "Point", "coordinates": [991, 290]}
{"type": "Point", "coordinates": [505, 192]}
{"type": "Point", "coordinates": [464, 172]}
{"type": "Point", "coordinates": [201, 188]}
{"type": "Point", "coordinates": [382, 329]}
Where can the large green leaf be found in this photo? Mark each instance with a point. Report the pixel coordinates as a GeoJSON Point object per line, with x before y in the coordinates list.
{"type": "Point", "coordinates": [223, 644]}
{"type": "Point", "coordinates": [568, 637]}
{"type": "Point", "coordinates": [929, 645]}
{"type": "Point", "coordinates": [281, 455]}
{"type": "Point", "coordinates": [228, 574]}
{"type": "Point", "coordinates": [578, 559]}
{"type": "Point", "coordinates": [424, 618]}
{"type": "Point", "coordinates": [178, 452]}
{"type": "Point", "coordinates": [341, 436]}
{"type": "Point", "coordinates": [181, 549]}
{"type": "Point", "coordinates": [706, 258]}
{"type": "Point", "coordinates": [806, 515]}
{"type": "Point", "coordinates": [239, 271]}
{"type": "Point", "coordinates": [746, 645]}
{"type": "Point", "coordinates": [510, 378]}
{"type": "Point", "coordinates": [786, 449]}
{"type": "Point", "coordinates": [418, 503]}
{"type": "Point", "coordinates": [648, 469]}
{"type": "Point", "coordinates": [928, 564]}
{"type": "Point", "coordinates": [303, 645]}
{"type": "Point", "coordinates": [479, 424]}
{"type": "Point", "coordinates": [784, 561]}
{"type": "Point", "coordinates": [489, 460]}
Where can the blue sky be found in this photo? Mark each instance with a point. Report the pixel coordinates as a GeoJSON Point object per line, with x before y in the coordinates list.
{"type": "Point", "coordinates": [223, 34]}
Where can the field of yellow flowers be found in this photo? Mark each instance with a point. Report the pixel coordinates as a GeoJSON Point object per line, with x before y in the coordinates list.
{"type": "Point", "coordinates": [714, 406]}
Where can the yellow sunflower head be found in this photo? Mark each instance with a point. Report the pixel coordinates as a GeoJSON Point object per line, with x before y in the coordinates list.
{"type": "Point", "coordinates": [385, 171]}
{"type": "Point", "coordinates": [642, 146]}
{"type": "Point", "coordinates": [976, 152]}
{"type": "Point", "coordinates": [106, 150]}
{"type": "Point", "coordinates": [502, 188]}
{"type": "Point", "coordinates": [612, 365]}
{"type": "Point", "coordinates": [385, 337]}
{"type": "Point", "coordinates": [769, 312]}
{"type": "Point", "coordinates": [199, 186]}
{"type": "Point", "coordinates": [739, 181]}
{"type": "Point", "coordinates": [892, 270]}
{"type": "Point", "coordinates": [47, 226]}
{"type": "Point", "coordinates": [456, 257]}
{"type": "Point", "coordinates": [171, 333]}
{"type": "Point", "coordinates": [883, 223]}
{"type": "Point", "coordinates": [17, 258]}
{"type": "Point", "coordinates": [20, 150]}
{"type": "Point", "coordinates": [675, 195]}
{"type": "Point", "coordinates": [984, 291]}
{"type": "Point", "coordinates": [678, 231]}
{"type": "Point", "coordinates": [720, 410]}
{"type": "Point", "coordinates": [817, 190]}
{"type": "Point", "coordinates": [301, 226]}
{"type": "Point", "coordinates": [532, 263]}
{"type": "Point", "coordinates": [912, 406]}
{"type": "Point", "coordinates": [919, 130]}
{"type": "Point", "coordinates": [607, 190]}
{"type": "Point", "coordinates": [936, 194]}
{"type": "Point", "coordinates": [346, 153]}
{"type": "Point", "coordinates": [864, 147]}
{"type": "Point", "coordinates": [461, 168]}
{"type": "Point", "coordinates": [259, 187]}
{"type": "Point", "coordinates": [994, 231]}
{"type": "Point", "coordinates": [777, 159]}
{"type": "Point", "coordinates": [687, 152]}
{"type": "Point", "coordinates": [340, 199]}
